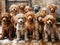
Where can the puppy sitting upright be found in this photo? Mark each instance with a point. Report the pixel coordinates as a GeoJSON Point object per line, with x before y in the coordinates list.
{"type": "Point", "coordinates": [30, 25]}
{"type": "Point", "coordinates": [50, 30]}
{"type": "Point", "coordinates": [7, 27]}
{"type": "Point", "coordinates": [40, 24]}
{"type": "Point", "coordinates": [20, 26]}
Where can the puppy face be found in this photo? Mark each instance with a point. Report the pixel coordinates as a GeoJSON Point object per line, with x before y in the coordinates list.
{"type": "Point", "coordinates": [39, 16]}
{"type": "Point", "coordinates": [50, 20]}
{"type": "Point", "coordinates": [13, 8]}
{"type": "Point", "coordinates": [6, 17]}
{"type": "Point", "coordinates": [52, 8]}
{"type": "Point", "coordinates": [30, 16]}
{"type": "Point", "coordinates": [21, 5]}
{"type": "Point", "coordinates": [27, 8]}
{"type": "Point", "coordinates": [20, 18]}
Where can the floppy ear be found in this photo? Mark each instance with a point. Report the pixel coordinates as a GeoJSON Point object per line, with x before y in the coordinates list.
{"type": "Point", "coordinates": [55, 7]}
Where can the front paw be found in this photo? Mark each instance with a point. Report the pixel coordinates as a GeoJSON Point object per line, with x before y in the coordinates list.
{"type": "Point", "coordinates": [45, 40]}
{"type": "Point", "coordinates": [18, 39]}
{"type": "Point", "coordinates": [53, 40]}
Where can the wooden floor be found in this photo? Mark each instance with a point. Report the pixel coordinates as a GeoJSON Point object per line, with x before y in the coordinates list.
{"type": "Point", "coordinates": [14, 42]}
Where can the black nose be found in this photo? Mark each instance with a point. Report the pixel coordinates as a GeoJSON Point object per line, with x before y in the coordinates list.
{"type": "Point", "coordinates": [50, 23]}
{"type": "Point", "coordinates": [20, 21]}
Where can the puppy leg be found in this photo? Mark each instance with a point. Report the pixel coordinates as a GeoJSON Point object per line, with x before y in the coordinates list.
{"type": "Point", "coordinates": [26, 38]}
{"type": "Point", "coordinates": [52, 37]}
{"type": "Point", "coordinates": [45, 37]}
{"type": "Point", "coordinates": [37, 35]}
{"type": "Point", "coordinates": [10, 35]}
{"type": "Point", "coordinates": [18, 35]}
{"type": "Point", "coordinates": [3, 34]}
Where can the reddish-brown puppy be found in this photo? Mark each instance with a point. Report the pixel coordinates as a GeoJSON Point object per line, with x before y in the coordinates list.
{"type": "Point", "coordinates": [30, 25]}
{"type": "Point", "coordinates": [21, 7]}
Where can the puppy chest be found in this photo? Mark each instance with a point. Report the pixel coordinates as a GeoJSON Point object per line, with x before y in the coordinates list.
{"type": "Point", "coordinates": [20, 27]}
{"type": "Point", "coordinates": [31, 27]}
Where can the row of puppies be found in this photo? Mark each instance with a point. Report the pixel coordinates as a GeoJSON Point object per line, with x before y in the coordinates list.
{"type": "Point", "coordinates": [27, 28]}
{"type": "Point", "coordinates": [30, 27]}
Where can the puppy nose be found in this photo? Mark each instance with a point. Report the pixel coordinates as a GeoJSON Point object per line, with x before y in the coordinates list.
{"type": "Point", "coordinates": [14, 9]}
{"type": "Point", "coordinates": [20, 21]}
{"type": "Point", "coordinates": [50, 23]}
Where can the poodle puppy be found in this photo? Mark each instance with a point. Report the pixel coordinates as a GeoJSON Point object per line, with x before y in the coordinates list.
{"type": "Point", "coordinates": [50, 29]}
{"type": "Point", "coordinates": [13, 9]}
{"type": "Point", "coordinates": [36, 8]}
{"type": "Point", "coordinates": [20, 26]}
{"type": "Point", "coordinates": [21, 7]}
{"type": "Point", "coordinates": [30, 25]}
{"type": "Point", "coordinates": [52, 8]}
{"type": "Point", "coordinates": [7, 27]}
{"type": "Point", "coordinates": [27, 8]}
{"type": "Point", "coordinates": [40, 23]}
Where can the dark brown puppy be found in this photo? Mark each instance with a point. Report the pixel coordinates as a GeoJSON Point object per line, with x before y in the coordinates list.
{"type": "Point", "coordinates": [7, 26]}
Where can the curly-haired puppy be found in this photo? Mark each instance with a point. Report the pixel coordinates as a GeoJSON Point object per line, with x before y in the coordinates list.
{"type": "Point", "coordinates": [7, 27]}
{"type": "Point", "coordinates": [52, 8]}
{"type": "Point", "coordinates": [27, 8]}
{"type": "Point", "coordinates": [20, 26]}
{"type": "Point", "coordinates": [13, 9]}
{"type": "Point", "coordinates": [30, 25]}
{"type": "Point", "coordinates": [21, 7]}
{"type": "Point", "coordinates": [40, 23]}
{"type": "Point", "coordinates": [50, 30]}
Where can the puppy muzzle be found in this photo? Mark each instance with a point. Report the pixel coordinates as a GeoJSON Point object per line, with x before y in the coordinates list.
{"type": "Point", "coordinates": [20, 21]}
{"type": "Point", "coordinates": [30, 18]}
{"type": "Point", "coordinates": [49, 22]}
{"type": "Point", "coordinates": [4, 19]}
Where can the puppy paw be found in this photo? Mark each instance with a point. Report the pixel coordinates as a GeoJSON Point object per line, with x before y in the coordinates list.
{"type": "Point", "coordinates": [45, 40]}
{"type": "Point", "coordinates": [18, 39]}
{"type": "Point", "coordinates": [53, 40]}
